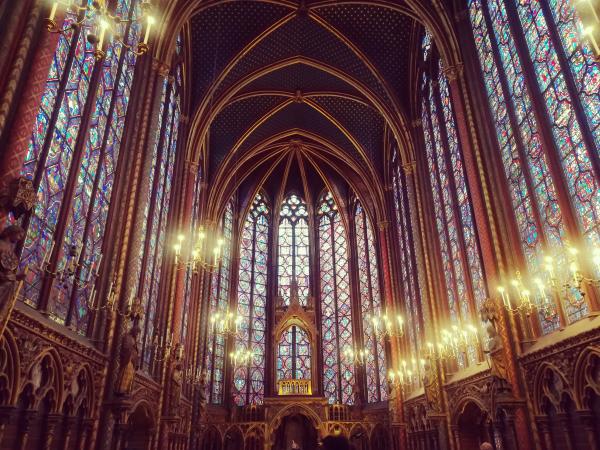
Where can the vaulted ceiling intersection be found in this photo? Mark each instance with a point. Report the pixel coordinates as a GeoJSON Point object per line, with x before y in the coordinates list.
{"type": "Point", "coordinates": [269, 71]}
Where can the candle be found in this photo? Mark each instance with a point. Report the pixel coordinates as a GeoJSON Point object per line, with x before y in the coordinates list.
{"type": "Point", "coordinates": [431, 348]}
{"type": "Point", "coordinates": [53, 11]}
{"type": "Point", "coordinates": [151, 21]}
{"type": "Point", "coordinates": [103, 27]}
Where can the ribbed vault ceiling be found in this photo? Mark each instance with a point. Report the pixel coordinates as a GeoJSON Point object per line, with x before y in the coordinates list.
{"type": "Point", "coordinates": [319, 80]}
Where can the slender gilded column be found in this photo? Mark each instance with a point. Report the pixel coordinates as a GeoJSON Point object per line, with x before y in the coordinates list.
{"type": "Point", "coordinates": [146, 85]}
{"type": "Point", "coordinates": [384, 242]}
{"type": "Point", "coordinates": [486, 227]}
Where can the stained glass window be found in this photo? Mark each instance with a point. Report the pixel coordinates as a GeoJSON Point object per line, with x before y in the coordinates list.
{"type": "Point", "coordinates": [370, 299]}
{"type": "Point", "coordinates": [61, 149]}
{"type": "Point", "coordinates": [568, 132]}
{"type": "Point", "coordinates": [293, 262]}
{"type": "Point", "coordinates": [248, 380]}
{"type": "Point", "coordinates": [189, 290]}
{"type": "Point", "coordinates": [564, 73]}
{"type": "Point", "coordinates": [156, 211]}
{"type": "Point", "coordinates": [461, 259]}
{"type": "Point", "coordinates": [293, 355]}
{"type": "Point", "coordinates": [409, 285]}
{"type": "Point", "coordinates": [336, 314]}
{"type": "Point", "coordinates": [219, 302]}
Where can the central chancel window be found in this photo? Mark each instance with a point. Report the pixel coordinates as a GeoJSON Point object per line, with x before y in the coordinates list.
{"type": "Point", "coordinates": [293, 263]}
{"type": "Point", "coordinates": [293, 355]}
{"type": "Point", "coordinates": [277, 268]}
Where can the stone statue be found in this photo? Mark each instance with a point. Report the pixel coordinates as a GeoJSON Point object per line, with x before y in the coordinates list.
{"type": "Point", "coordinates": [356, 394]}
{"type": "Point", "coordinates": [494, 348]}
{"type": "Point", "coordinates": [176, 384]}
{"type": "Point", "coordinates": [498, 366]}
{"type": "Point", "coordinates": [430, 388]}
{"type": "Point", "coordinates": [9, 278]}
{"type": "Point", "coordinates": [128, 361]}
{"type": "Point", "coordinates": [203, 394]}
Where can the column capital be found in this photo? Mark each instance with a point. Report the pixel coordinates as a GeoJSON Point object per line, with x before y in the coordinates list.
{"type": "Point", "coordinates": [409, 168]}
{"type": "Point", "coordinates": [384, 224]}
{"type": "Point", "coordinates": [453, 72]}
{"type": "Point", "coordinates": [191, 164]}
{"type": "Point", "coordinates": [417, 123]}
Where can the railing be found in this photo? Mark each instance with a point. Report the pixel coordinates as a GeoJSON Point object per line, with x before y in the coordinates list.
{"type": "Point", "coordinates": [294, 387]}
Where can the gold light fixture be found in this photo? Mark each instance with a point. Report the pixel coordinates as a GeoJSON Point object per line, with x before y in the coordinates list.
{"type": "Point", "coordinates": [104, 24]}
{"type": "Point", "coordinates": [226, 322]}
{"type": "Point", "coordinates": [590, 18]}
{"type": "Point", "coordinates": [240, 357]}
{"type": "Point", "coordinates": [387, 325]}
{"type": "Point", "coordinates": [561, 276]}
{"type": "Point", "coordinates": [355, 355]}
{"type": "Point", "coordinates": [454, 342]}
{"type": "Point", "coordinates": [407, 374]}
{"type": "Point", "coordinates": [200, 254]}
{"type": "Point", "coordinates": [163, 347]}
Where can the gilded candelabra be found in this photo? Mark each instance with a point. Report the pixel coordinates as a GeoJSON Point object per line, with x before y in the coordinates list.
{"type": "Point", "coordinates": [199, 254]}
{"type": "Point", "coordinates": [104, 24]}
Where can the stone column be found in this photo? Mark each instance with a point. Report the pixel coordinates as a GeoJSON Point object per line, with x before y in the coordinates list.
{"type": "Point", "coordinates": [589, 425]}
{"type": "Point", "coordinates": [544, 430]}
{"type": "Point", "coordinates": [28, 416]}
{"type": "Point", "coordinates": [125, 254]}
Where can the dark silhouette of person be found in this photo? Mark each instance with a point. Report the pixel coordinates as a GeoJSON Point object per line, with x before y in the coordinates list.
{"type": "Point", "coordinates": [335, 443]}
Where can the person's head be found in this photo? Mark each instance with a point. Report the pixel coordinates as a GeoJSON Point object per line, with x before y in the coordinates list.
{"type": "Point", "coordinates": [486, 446]}
{"type": "Point", "coordinates": [335, 443]}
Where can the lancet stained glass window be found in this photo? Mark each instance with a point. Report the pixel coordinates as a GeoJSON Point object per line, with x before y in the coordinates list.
{"type": "Point", "coordinates": [463, 271]}
{"type": "Point", "coordinates": [293, 355]}
{"type": "Point", "coordinates": [336, 313]}
{"type": "Point", "coordinates": [409, 279]}
{"type": "Point", "coordinates": [219, 302]}
{"type": "Point", "coordinates": [189, 290]}
{"type": "Point", "coordinates": [248, 380]}
{"type": "Point", "coordinates": [293, 263]}
{"type": "Point", "coordinates": [61, 150]}
{"type": "Point", "coordinates": [548, 36]}
{"type": "Point", "coordinates": [155, 213]}
{"type": "Point", "coordinates": [370, 299]}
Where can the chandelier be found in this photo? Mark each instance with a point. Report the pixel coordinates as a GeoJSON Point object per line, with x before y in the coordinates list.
{"type": "Point", "coordinates": [240, 357]}
{"type": "Point", "coordinates": [199, 255]}
{"type": "Point", "coordinates": [406, 374]}
{"type": "Point", "coordinates": [454, 342]}
{"type": "Point", "coordinates": [563, 275]}
{"type": "Point", "coordinates": [226, 322]}
{"type": "Point", "coordinates": [103, 23]}
{"type": "Point", "coordinates": [385, 325]}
